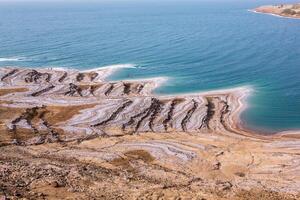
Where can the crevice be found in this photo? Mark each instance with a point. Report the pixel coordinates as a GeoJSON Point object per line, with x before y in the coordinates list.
{"type": "Point", "coordinates": [34, 76]}
{"type": "Point", "coordinates": [47, 89]}
{"type": "Point", "coordinates": [92, 89]}
{"type": "Point", "coordinates": [140, 88]}
{"type": "Point", "coordinates": [80, 77]}
{"type": "Point", "coordinates": [108, 91]}
{"type": "Point", "coordinates": [132, 119]}
{"type": "Point", "coordinates": [155, 111]}
{"type": "Point", "coordinates": [93, 75]}
{"type": "Point", "coordinates": [87, 138]}
{"type": "Point", "coordinates": [28, 116]}
{"type": "Point", "coordinates": [127, 87]}
{"type": "Point", "coordinates": [209, 113]}
{"type": "Point", "coordinates": [63, 77]}
{"type": "Point", "coordinates": [114, 114]}
{"type": "Point", "coordinates": [171, 113]}
{"type": "Point", "coordinates": [189, 115]}
{"type": "Point", "coordinates": [52, 135]}
{"type": "Point", "coordinates": [155, 103]}
{"type": "Point", "coordinates": [225, 110]}
{"type": "Point", "coordinates": [73, 89]}
{"type": "Point", "coordinates": [12, 72]}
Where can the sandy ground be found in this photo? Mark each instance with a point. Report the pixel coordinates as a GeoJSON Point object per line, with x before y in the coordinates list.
{"type": "Point", "coordinates": [74, 135]}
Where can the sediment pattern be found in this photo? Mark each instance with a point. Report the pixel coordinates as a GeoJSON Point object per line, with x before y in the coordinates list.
{"type": "Point", "coordinates": [64, 126]}
{"type": "Point", "coordinates": [120, 105]}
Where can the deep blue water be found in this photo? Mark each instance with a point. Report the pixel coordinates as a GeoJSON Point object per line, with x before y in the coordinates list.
{"type": "Point", "coordinates": [200, 45]}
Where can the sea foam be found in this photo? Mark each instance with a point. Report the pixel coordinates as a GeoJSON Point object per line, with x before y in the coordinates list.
{"type": "Point", "coordinates": [13, 59]}
{"type": "Point", "coordinates": [113, 67]}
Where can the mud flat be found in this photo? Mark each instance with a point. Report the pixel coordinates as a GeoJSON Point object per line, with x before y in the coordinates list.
{"type": "Point", "coordinates": [72, 134]}
{"type": "Point", "coordinates": [282, 10]}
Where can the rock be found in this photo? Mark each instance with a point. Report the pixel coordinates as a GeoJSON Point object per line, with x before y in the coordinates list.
{"type": "Point", "coordinates": [216, 165]}
{"type": "Point", "coordinates": [15, 142]}
{"type": "Point", "coordinates": [40, 194]}
{"type": "Point", "coordinates": [240, 174]}
{"type": "Point", "coordinates": [225, 185]}
{"type": "Point", "coordinates": [54, 184]}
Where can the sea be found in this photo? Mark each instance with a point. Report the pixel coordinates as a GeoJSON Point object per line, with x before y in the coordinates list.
{"type": "Point", "coordinates": [198, 45]}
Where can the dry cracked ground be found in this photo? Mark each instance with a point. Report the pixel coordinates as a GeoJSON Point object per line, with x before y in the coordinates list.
{"type": "Point", "coordinates": [73, 135]}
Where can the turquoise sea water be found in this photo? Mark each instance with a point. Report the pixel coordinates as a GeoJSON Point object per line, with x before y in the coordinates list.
{"type": "Point", "coordinates": [199, 45]}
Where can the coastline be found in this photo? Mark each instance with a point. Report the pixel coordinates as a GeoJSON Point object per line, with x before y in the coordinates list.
{"type": "Point", "coordinates": [290, 11]}
{"type": "Point", "coordinates": [239, 94]}
{"type": "Point", "coordinates": [272, 14]}
{"type": "Point", "coordinates": [70, 125]}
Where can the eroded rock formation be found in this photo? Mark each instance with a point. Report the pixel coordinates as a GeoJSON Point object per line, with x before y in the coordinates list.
{"type": "Point", "coordinates": [71, 134]}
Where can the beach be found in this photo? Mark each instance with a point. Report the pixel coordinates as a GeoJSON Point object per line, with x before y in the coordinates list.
{"type": "Point", "coordinates": [78, 134]}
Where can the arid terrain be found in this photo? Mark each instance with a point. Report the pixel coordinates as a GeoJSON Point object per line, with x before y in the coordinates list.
{"type": "Point", "coordinates": [67, 134]}
{"type": "Point", "coordinates": [284, 10]}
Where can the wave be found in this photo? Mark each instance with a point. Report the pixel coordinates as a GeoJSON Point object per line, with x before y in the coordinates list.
{"type": "Point", "coordinates": [113, 67]}
{"type": "Point", "coordinates": [107, 68]}
{"type": "Point", "coordinates": [13, 59]}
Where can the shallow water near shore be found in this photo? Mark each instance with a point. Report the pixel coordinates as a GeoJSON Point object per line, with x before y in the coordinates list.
{"type": "Point", "coordinates": [200, 46]}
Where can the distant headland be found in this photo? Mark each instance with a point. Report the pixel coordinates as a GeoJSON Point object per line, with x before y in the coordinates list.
{"type": "Point", "coordinates": [283, 10]}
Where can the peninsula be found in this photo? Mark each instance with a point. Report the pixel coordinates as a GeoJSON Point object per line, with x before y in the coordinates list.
{"type": "Point", "coordinates": [283, 10]}
{"type": "Point", "coordinates": [69, 134]}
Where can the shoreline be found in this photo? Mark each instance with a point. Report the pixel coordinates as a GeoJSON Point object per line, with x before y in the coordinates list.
{"type": "Point", "coordinates": [290, 11]}
{"type": "Point", "coordinates": [70, 134]}
{"type": "Point", "coordinates": [241, 93]}
{"type": "Point", "coordinates": [272, 14]}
